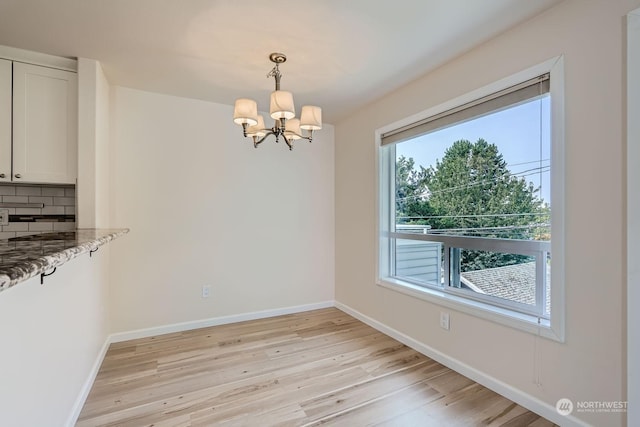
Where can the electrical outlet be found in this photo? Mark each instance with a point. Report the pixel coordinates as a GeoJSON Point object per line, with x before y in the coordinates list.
{"type": "Point", "coordinates": [444, 320]}
{"type": "Point", "coordinates": [4, 216]}
{"type": "Point", "coordinates": [206, 291]}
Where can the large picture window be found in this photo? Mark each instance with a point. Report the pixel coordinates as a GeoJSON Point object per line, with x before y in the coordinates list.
{"type": "Point", "coordinates": [466, 203]}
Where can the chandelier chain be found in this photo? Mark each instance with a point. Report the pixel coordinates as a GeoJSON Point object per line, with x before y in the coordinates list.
{"type": "Point", "coordinates": [276, 74]}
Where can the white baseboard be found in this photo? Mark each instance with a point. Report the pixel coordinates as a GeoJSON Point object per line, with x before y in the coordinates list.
{"type": "Point", "coordinates": [215, 321]}
{"type": "Point", "coordinates": [530, 402]}
{"type": "Point", "coordinates": [86, 387]}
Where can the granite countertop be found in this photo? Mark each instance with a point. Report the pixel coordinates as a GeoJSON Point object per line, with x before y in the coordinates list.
{"type": "Point", "coordinates": [24, 257]}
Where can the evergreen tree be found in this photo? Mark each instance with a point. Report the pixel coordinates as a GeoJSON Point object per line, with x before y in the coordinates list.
{"type": "Point", "coordinates": [411, 193]}
{"type": "Point", "coordinates": [472, 192]}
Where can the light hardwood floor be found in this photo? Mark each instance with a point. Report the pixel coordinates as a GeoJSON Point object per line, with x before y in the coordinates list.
{"type": "Point", "coordinates": [306, 369]}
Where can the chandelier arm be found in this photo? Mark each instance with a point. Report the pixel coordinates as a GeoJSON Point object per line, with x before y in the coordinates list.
{"type": "Point", "coordinates": [289, 143]}
{"type": "Point", "coordinates": [277, 132]}
{"type": "Point", "coordinates": [308, 138]}
{"type": "Point", "coordinates": [257, 141]}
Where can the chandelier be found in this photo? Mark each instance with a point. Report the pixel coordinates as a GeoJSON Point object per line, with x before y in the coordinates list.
{"type": "Point", "coordinates": [281, 110]}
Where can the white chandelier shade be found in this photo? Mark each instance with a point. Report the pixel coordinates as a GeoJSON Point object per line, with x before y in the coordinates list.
{"type": "Point", "coordinates": [311, 118]}
{"type": "Point", "coordinates": [245, 111]}
{"type": "Point", "coordinates": [257, 129]}
{"type": "Point", "coordinates": [281, 106]}
{"type": "Point", "coordinates": [292, 129]}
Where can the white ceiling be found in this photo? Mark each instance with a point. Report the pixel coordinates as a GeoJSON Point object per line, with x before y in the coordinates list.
{"type": "Point", "coordinates": [342, 54]}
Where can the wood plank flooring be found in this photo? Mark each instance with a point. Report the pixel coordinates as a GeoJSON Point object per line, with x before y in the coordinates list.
{"type": "Point", "coordinates": [306, 369]}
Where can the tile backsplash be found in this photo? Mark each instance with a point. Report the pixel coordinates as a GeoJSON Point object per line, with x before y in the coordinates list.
{"type": "Point", "coordinates": [58, 213]}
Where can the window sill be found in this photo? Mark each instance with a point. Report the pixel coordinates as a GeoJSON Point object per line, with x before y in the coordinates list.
{"type": "Point", "coordinates": [502, 316]}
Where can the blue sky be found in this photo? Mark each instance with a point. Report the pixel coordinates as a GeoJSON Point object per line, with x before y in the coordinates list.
{"type": "Point", "coordinates": [516, 131]}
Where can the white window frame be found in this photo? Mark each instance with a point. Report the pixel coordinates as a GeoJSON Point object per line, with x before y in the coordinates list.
{"type": "Point", "coordinates": [633, 215]}
{"type": "Point", "coordinates": [555, 326]}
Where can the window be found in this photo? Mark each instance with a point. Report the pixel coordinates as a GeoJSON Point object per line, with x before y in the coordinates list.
{"type": "Point", "coordinates": [466, 208]}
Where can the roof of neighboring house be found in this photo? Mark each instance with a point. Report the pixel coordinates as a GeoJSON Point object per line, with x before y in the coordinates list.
{"type": "Point", "coordinates": [512, 282]}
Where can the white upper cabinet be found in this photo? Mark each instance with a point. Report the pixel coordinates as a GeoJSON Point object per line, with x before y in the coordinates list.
{"type": "Point", "coordinates": [45, 125]}
{"type": "Point", "coordinates": [5, 120]}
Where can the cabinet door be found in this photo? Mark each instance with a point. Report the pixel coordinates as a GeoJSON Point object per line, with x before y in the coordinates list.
{"type": "Point", "coordinates": [5, 120]}
{"type": "Point", "coordinates": [45, 105]}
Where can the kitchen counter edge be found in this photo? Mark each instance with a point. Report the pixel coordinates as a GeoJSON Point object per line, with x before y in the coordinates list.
{"type": "Point", "coordinates": [88, 240]}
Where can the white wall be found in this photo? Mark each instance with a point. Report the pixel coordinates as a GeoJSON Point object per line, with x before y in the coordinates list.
{"type": "Point", "coordinates": [206, 208]}
{"type": "Point", "coordinates": [102, 150]}
{"type": "Point", "coordinates": [93, 145]}
{"type": "Point", "coordinates": [590, 365]}
{"type": "Point", "coordinates": [87, 101]}
{"type": "Point", "coordinates": [51, 336]}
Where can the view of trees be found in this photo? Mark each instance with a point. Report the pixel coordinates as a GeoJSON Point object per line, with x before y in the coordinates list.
{"type": "Point", "coordinates": [471, 192]}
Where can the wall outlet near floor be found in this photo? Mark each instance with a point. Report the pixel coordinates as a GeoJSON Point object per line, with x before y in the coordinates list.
{"type": "Point", "coordinates": [206, 291]}
{"type": "Point", "coordinates": [444, 320]}
{"type": "Point", "coordinates": [4, 216]}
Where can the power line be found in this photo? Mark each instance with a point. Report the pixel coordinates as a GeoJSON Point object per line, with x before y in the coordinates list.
{"type": "Point", "coordinates": [475, 215]}
{"type": "Point", "coordinates": [528, 163]}
{"type": "Point", "coordinates": [521, 174]}
{"type": "Point", "coordinates": [498, 228]}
